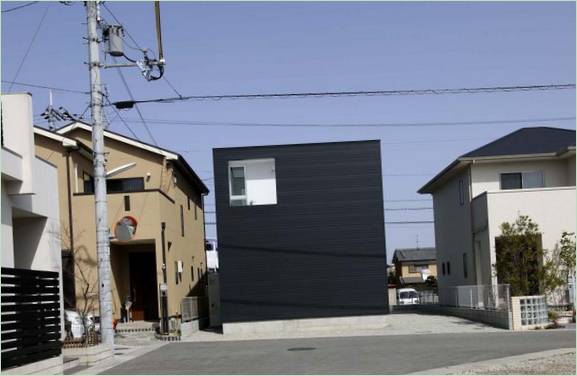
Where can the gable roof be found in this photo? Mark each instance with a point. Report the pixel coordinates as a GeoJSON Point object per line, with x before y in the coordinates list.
{"type": "Point", "coordinates": [526, 141]}
{"type": "Point", "coordinates": [415, 254]}
{"type": "Point", "coordinates": [522, 143]}
{"type": "Point", "coordinates": [66, 142]}
{"type": "Point", "coordinates": [179, 161]}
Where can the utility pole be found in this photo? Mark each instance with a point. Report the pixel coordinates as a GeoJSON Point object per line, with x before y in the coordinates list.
{"type": "Point", "coordinates": [102, 231]}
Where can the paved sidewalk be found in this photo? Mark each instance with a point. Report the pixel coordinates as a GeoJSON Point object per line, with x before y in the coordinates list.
{"type": "Point", "coordinates": [123, 352]}
{"type": "Point", "coordinates": [551, 362]}
{"type": "Point", "coordinates": [395, 324]}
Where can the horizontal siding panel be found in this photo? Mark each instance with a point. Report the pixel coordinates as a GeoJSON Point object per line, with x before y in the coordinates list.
{"type": "Point", "coordinates": [320, 251]}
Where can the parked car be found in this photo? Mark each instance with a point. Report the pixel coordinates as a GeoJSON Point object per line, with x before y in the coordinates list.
{"type": "Point", "coordinates": [407, 296]}
{"type": "Point", "coordinates": [74, 323]}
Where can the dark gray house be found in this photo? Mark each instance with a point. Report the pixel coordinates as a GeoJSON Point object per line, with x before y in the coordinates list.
{"type": "Point", "coordinates": [300, 231]}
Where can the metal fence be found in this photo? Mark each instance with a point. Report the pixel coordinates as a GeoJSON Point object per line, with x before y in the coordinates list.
{"type": "Point", "coordinates": [428, 297]}
{"type": "Point", "coordinates": [193, 308]}
{"type": "Point", "coordinates": [30, 316]}
{"type": "Point", "coordinates": [488, 297]}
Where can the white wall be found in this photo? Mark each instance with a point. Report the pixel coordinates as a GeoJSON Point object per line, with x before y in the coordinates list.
{"type": "Point", "coordinates": [260, 180]}
{"type": "Point", "coordinates": [553, 209]}
{"type": "Point", "coordinates": [486, 176]}
{"type": "Point", "coordinates": [7, 238]}
{"type": "Point", "coordinates": [453, 235]}
{"type": "Point", "coordinates": [17, 123]}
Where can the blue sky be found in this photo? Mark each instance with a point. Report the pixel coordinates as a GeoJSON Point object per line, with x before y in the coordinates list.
{"type": "Point", "coordinates": [231, 48]}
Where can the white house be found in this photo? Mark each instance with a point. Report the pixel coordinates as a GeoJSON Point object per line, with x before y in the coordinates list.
{"type": "Point", "coordinates": [528, 172]}
{"type": "Point", "coordinates": [30, 241]}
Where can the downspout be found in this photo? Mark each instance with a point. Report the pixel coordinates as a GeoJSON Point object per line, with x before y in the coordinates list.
{"type": "Point", "coordinates": [70, 225]}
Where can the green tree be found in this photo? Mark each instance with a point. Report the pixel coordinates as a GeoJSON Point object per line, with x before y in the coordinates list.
{"type": "Point", "coordinates": [520, 256]}
{"type": "Point", "coordinates": [567, 253]}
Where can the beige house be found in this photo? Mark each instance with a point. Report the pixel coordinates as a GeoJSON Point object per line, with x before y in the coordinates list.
{"type": "Point", "coordinates": [528, 172]}
{"type": "Point", "coordinates": [414, 265]}
{"type": "Point", "coordinates": [150, 186]}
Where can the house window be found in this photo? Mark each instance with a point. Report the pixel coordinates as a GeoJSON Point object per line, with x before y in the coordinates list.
{"type": "Point", "coordinates": [520, 180]}
{"type": "Point", "coordinates": [448, 268]}
{"type": "Point", "coordinates": [188, 202]}
{"type": "Point", "coordinates": [417, 268]}
{"type": "Point", "coordinates": [461, 192]}
{"type": "Point", "coordinates": [465, 270]}
{"type": "Point", "coordinates": [88, 181]}
{"type": "Point", "coordinates": [125, 185]}
{"type": "Point", "coordinates": [181, 220]}
{"type": "Point", "coordinates": [195, 212]}
{"type": "Point", "coordinates": [443, 268]}
{"type": "Point", "coordinates": [126, 203]}
{"type": "Point", "coordinates": [192, 271]}
{"type": "Point", "coordinates": [252, 182]}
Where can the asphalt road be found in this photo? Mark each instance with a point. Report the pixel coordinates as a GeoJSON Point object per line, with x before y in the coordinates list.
{"type": "Point", "coordinates": [343, 355]}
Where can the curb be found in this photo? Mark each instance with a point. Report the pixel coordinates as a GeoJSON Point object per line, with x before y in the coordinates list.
{"type": "Point", "coordinates": [461, 368]}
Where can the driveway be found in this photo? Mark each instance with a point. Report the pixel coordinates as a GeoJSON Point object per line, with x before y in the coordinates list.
{"type": "Point", "coordinates": [392, 354]}
{"type": "Point", "coordinates": [393, 324]}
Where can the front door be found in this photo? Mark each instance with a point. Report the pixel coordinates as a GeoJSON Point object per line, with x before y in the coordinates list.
{"type": "Point", "coordinates": [143, 288]}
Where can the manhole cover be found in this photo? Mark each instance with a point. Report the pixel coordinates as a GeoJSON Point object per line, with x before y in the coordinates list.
{"type": "Point", "coordinates": [301, 348]}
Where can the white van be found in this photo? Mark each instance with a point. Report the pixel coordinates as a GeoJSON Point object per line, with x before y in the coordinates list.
{"type": "Point", "coordinates": [407, 296]}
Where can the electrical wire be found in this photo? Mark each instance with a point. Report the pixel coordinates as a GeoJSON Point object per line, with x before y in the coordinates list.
{"type": "Point", "coordinates": [46, 87]}
{"type": "Point", "coordinates": [123, 121]}
{"type": "Point", "coordinates": [20, 7]}
{"type": "Point", "coordinates": [30, 46]}
{"type": "Point", "coordinates": [335, 125]}
{"type": "Point", "coordinates": [476, 90]}
{"type": "Point", "coordinates": [136, 107]}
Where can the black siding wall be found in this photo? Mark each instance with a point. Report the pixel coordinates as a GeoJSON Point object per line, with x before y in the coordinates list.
{"type": "Point", "coordinates": [319, 252]}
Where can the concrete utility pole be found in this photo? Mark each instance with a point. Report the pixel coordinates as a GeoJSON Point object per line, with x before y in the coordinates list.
{"type": "Point", "coordinates": [102, 231]}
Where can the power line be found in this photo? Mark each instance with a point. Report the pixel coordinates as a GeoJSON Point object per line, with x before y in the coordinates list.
{"type": "Point", "coordinates": [344, 125]}
{"type": "Point", "coordinates": [139, 48]}
{"type": "Point", "coordinates": [46, 87]}
{"type": "Point", "coordinates": [123, 121]}
{"type": "Point", "coordinates": [136, 107]}
{"type": "Point", "coordinates": [476, 90]}
{"type": "Point", "coordinates": [29, 46]}
{"type": "Point", "coordinates": [20, 7]}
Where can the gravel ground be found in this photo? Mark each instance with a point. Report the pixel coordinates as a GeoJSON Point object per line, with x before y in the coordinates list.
{"type": "Point", "coordinates": [561, 364]}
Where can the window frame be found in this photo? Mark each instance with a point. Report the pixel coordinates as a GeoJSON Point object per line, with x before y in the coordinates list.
{"type": "Point", "coordinates": [232, 197]}
{"type": "Point", "coordinates": [522, 175]}
{"type": "Point", "coordinates": [465, 266]}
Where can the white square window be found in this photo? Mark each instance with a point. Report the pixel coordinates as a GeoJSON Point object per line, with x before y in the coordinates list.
{"type": "Point", "coordinates": [252, 182]}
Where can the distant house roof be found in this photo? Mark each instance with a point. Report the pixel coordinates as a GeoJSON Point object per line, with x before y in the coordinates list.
{"type": "Point", "coordinates": [525, 142]}
{"type": "Point", "coordinates": [414, 254]}
{"type": "Point", "coordinates": [169, 155]}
